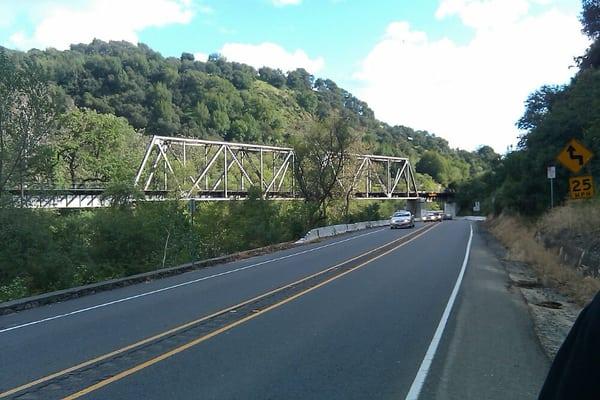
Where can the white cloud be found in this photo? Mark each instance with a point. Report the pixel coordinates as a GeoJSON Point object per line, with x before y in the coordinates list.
{"type": "Point", "coordinates": [471, 94]}
{"type": "Point", "coordinates": [484, 14]}
{"type": "Point", "coordinates": [282, 3]}
{"type": "Point", "coordinates": [271, 55]}
{"type": "Point", "coordinates": [200, 56]}
{"type": "Point", "coordinates": [65, 22]}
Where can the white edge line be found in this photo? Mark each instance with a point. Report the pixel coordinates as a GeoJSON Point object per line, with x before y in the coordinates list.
{"type": "Point", "coordinates": [83, 310]}
{"type": "Point", "coordinates": [417, 385]}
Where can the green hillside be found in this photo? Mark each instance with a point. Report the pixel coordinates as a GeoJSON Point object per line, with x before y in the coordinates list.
{"type": "Point", "coordinates": [218, 99]}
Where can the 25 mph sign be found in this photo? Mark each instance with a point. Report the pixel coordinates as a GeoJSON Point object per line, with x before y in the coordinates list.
{"type": "Point", "coordinates": [581, 187]}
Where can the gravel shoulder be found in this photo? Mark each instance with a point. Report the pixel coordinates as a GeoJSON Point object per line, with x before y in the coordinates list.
{"type": "Point", "coordinates": [553, 314]}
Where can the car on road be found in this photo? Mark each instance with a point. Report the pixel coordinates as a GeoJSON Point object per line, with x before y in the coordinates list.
{"type": "Point", "coordinates": [402, 219]}
{"type": "Point", "coordinates": [432, 216]}
{"type": "Point", "coordinates": [447, 216]}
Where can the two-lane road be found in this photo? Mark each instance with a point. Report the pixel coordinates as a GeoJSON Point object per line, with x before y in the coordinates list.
{"type": "Point", "coordinates": [359, 327]}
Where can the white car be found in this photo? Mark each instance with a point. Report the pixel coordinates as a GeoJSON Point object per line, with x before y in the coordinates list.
{"type": "Point", "coordinates": [402, 219]}
{"type": "Point", "coordinates": [432, 216]}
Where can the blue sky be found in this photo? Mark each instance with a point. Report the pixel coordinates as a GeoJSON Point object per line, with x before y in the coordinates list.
{"type": "Point", "coordinates": [343, 32]}
{"type": "Point", "coordinates": [458, 68]}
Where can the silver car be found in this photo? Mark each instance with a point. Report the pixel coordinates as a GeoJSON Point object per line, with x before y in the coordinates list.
{"type": "Point", "coordinates": [432, 216]}
{"type": "Point", "coordinates": [402, 219]}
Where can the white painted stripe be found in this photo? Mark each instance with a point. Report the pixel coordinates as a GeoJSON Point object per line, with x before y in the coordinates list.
{"type": "Point", "coordinates": [417, 385]}
{"type": "Point", "coordinates": [137, 296]}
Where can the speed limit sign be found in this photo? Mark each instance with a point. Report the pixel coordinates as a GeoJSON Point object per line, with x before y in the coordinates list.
{"type": "Point", "coordinates": [581, 187]}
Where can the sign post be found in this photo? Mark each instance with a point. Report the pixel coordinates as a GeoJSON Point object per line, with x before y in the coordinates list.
{"type": "Point", "coordinates": [551, 175]}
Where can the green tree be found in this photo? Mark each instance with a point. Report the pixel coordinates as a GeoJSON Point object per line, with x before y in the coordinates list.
{"type": "Point", "coordinates": [220, 121]}
{"type": "Point", "coordinates": [272, 76]}
{"type": "Point", "coordinates": [26, 120]}
{"type": "Point", "coordinates": [165, 120]}
{"type": "Point", "coordinates": [434, 165]}
{"type": "Point", "coordinates": [590, 18]}
{"type": "Point", "coordinates": [300, 79]}
{"type": "Point", "coordinates": [96, 148]}
{"type": "Point", "coordinates": [320, 155]}
{"type": "Point", "coordinates": [308, 101]}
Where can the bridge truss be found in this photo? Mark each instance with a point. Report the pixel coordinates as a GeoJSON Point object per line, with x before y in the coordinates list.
{"type": "Point", "coordinates": [186, 168]}
{"type": "Point", "coordinates": [212, 170]}
{"type": "Point", "coordinates": [383, 177]}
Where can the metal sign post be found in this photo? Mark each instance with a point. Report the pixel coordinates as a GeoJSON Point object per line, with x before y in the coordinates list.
{"type": "Point", "coordinates": [551, 171]}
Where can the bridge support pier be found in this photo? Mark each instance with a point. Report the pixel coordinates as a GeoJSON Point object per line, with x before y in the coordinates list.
{"type": "Point", "coordinates": [415, 206]}
{"type": "Point", "coordinates": [450, 208]}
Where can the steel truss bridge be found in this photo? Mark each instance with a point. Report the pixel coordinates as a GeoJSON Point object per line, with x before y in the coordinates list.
{"type": "Point", "coordinates": [205, 170]}
{"type": "Point", "coordinates": [210, 170]}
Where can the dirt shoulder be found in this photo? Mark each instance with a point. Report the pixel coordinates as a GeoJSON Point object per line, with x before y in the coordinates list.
{"type": "Point", "coordinates": [553, 313]}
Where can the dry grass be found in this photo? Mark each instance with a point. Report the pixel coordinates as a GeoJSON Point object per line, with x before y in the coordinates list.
{"type": "Point", "coordinates": [581, 217]}
{"type": "Point", "coordinates": [519, 238]}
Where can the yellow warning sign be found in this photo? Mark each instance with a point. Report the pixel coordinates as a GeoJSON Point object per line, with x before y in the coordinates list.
{"type": "Point", "coordinates": [574, 156]}
{"type": "Point", "coordinates": [581, 187]}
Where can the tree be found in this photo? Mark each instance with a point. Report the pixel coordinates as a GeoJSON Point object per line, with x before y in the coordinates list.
{"type": "Point", "coordinates": [433, 165]}
{"type": "Point", "coordinates": [537, 105]}
{"type": "Point", "coordinates": [320, 155]}
{"type": "Point", "coordinates": [96, 148]}
{"type": "Point", "coordinates": [165, 120]}
{"type": "Point", "coordinates": [488, 154]}
{"type": "Point", "coordinates": [26, 120]}
{"type": "Point", "coordinates": [590, 18]}
{"type": "Point", "coordinates": [272, 76]}
{"type": "Point", "coordinates": [308, 101]}
{"type": "Point", "coordinates": [300, 79]}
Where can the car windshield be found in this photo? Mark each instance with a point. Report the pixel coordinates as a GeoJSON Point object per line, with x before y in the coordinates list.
{"type": "Point", "coordinates": [402, 214]}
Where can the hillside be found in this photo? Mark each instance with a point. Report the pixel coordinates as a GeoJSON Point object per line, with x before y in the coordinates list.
{"type": "Point", "coordinates": [218, 99]}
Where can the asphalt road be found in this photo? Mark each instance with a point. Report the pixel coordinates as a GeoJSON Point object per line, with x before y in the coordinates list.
{"type": "Point", "coordinates": [360, 334]}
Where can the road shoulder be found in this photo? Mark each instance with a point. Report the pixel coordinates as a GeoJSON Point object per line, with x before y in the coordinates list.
{"type": "Point", "coordinates": [489, 349]}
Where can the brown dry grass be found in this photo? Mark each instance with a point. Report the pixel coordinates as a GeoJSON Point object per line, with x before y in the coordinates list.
{"type": "Point", "coordinates": [582, 217]}
{"type": "Point", "coordinates": [519, 238]}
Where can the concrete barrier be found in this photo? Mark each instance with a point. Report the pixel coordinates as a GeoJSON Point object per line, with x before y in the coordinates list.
{"type": "Point", "coordinates": [333, 230]}
{"type": "Point", "coordinates": [472, 218]}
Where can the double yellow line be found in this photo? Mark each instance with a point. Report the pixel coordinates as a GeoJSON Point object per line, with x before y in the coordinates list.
{"type": "Point", "coordinates": [203, 338]}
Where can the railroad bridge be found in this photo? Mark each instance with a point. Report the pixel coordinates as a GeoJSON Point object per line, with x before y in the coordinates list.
{"type": "Point", "coordinates": [205, 170]}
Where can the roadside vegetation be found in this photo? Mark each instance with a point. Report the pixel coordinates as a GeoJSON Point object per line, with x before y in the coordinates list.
{"type": "Point", "coordinates": [46, 250]}
{"type": "Point", "coordinates": [81, 119]}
